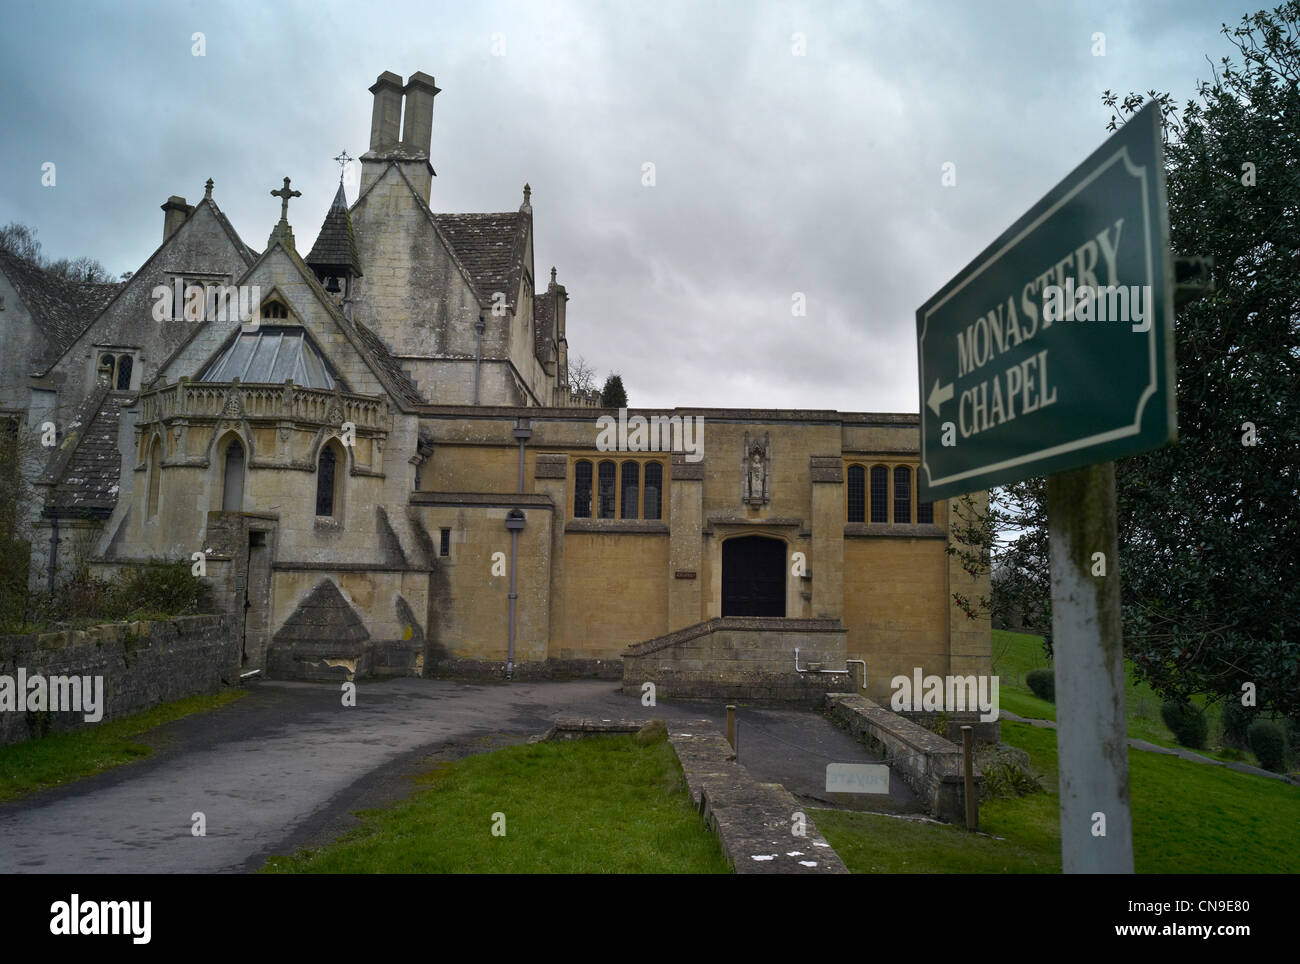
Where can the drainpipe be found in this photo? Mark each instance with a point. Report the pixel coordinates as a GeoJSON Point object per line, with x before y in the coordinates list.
{"type": "Point", "coordinates": [515, 523]}
{"type": "Point", "coordinates": [478, 353]}
{"type": "Point", "coordinates": [54, 549]}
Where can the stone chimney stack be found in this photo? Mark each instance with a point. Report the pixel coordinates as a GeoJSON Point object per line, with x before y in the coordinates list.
{"type": "Point", "coordinates": [417, 130]}
{"type": "Point", "coordinates": [386, 117]}
{"type": "Point", "coordinates": [409, 150]}
{"type": "Point", "coordinates": [175, 211]}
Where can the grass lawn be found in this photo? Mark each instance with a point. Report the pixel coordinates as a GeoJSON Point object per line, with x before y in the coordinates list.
{"type": "Point", "coordinates": [596, 805]}
{"type": "Point", "coordinates": [1187, 818]}
{"type": "Point", "coordinates": [1015, 654]}
{"type": "Point", "coordinates": [62, 757]}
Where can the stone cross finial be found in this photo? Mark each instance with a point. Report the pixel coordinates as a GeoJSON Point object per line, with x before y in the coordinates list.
{"type": "Point", "coordinates": [343, 162]}
{"type": "Point", "coordinates": [284, 194]}
{"type": "Point", "coordinates": [207, 190]}
{"type": "Point", "coordinates": [528, 193]}
{"type": "Point", "coordinates": [552, 274]}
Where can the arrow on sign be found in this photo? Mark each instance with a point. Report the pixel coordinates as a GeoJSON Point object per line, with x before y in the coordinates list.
{"type": "Point", "coordinates": [939, 395]}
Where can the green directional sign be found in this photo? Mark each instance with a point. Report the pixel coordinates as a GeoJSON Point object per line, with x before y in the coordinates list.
{"type": "Point", "coordinates": [1055, 347]}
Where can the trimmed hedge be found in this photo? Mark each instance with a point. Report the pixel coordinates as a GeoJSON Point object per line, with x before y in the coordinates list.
{"type": "Point", "coordinates": [1186, 722]}
{"type": "Point", "coordinates": [1268, 743]}
{"type": "Point", "coordinates": [1043, 684]}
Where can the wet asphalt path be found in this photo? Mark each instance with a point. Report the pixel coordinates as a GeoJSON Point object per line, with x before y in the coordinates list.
{"type": "Point", "coordinates": [286, 765]}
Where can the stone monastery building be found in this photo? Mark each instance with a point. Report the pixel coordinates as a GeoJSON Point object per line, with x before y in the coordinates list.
{"type": "Point", "coordinates": [389, 473]}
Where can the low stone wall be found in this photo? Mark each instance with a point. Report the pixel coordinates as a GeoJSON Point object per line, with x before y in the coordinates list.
{"type": "Point", "coordinates": [928, 763]}
{"type": "Point", "coordinates": [142, 664]}
{"type": "Point", "coordinates": [746, 658]}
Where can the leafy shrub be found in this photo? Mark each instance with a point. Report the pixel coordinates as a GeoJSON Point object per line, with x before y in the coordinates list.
{"type": "Point", "coordinates": [158, 588]}
{"type": "Point", "coordinates": [1043, 684]}
{"type": "Point", "coordinates": [1268, 744]}
{"type": "Point", "coordinates": [1007, 772]}
{"type": "Point", "coordinates": [1187, 723]}
{"type": "Point", "coordinates": [1236, 720]}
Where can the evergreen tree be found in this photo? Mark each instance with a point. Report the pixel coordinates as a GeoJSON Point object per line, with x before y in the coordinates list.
{"type": "Point", "coordinates": [613, 395]}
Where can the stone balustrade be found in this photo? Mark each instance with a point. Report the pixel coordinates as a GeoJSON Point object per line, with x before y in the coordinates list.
{"type": "Point", "coordinates": [285, 402]}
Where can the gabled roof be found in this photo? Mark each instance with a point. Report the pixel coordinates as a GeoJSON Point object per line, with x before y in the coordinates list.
{"type": "Point", "coordinates": [62, 309]}
{"type": "Point", "coordinates": [336, 245]}
{"type": "Point", "coordinates": [487, 249]}
{"type": "Point", "coordinates": [247, 254]}
{"type": "Point", "coordinates": [366, 343]}
{"type": "Point", "coordinates": [85, 472]}
{"type": "Point", "coordinates": [487, 245]}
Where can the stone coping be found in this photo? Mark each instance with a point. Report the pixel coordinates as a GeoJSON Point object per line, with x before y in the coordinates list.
{"type": "Point", "coordinates": [767, 624]}
{"type": "Point", "coordinates": [754, 821]}
{"type": "Point", "coordinates": [586, 414]}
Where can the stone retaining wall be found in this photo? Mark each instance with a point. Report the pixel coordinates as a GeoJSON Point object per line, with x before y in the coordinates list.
{"type": "Point", "coordinates": [754, 821]}
{"type": "Point", "coordinates": [928, 763]}
{"type": "Point", "coordinates": [745, 658]}
{"type": "Point", "coordinates": [142, 664]}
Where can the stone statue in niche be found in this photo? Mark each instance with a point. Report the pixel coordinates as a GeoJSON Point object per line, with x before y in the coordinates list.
{"type": "Point", "coordinates": [757, 462]}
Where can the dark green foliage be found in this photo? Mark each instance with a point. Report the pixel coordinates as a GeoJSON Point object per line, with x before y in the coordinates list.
{"type": "Point", "coordinates": [157, 590]}
{"type": "Point", "coordinates": [1187, 723]}
{"type": "Point", "coordinates": [613, 395]}
{"type": "Point", "coordinates": [1043, 683]}
{"type": "Point", "coordinates": [1236, 720]}
{"type": "Point", "coordinates": [1268, 744]}
{"type": "Point", "coordinates": [1208, 526]}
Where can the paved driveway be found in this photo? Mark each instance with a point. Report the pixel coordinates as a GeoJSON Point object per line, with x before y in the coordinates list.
{"type": "Point", "coordinates": [287, 764]}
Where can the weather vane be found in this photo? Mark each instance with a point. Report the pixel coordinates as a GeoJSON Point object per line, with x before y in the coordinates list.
{"type": "Point", "coordinates": [343, 162]}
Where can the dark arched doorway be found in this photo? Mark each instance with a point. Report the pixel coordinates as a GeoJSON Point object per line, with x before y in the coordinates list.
{"type": "Point", "coordinates": [753, 576]}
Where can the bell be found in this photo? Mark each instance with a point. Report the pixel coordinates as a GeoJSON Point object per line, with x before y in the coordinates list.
{"type": "Point", "coordinates": [333, 285]}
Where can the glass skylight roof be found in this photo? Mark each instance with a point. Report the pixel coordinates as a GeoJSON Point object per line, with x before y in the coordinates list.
{"type": "Point", "coordinates": [271, 354]}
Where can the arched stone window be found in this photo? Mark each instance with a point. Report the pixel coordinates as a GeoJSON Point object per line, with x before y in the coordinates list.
{"type": "Point", "coordinates": [605, 497]}
{"type": "Point", "coordinates": [902, 494]}
{"type": "Point", "coordinates": [155, 477]}
{"type": "Point", "coordinates": [654, 487]}
{"type": "Point", "coordinates": [631, 490]}
{"type": "Point", "coordinates": [582, 490]}
{"type": "Point", "coordinates": [329, 481]}
{"type": "Point", "coordinates": [857, 494]}
{"type": "Point", "coordinates": [274, 309]}
{"type": "Point", "coordinates": [232, 488]}
{"type": "Point", "coordinates": [879, 493]}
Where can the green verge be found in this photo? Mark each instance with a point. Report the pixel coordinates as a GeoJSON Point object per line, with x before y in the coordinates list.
{"type": "Point", "coordinates": [596, 805]}
{"type": "Point", "coordinates": [60, 758]}
{"type": "Point", "coordinates": [1187, 818]}
{"type": "Point", "coordinates": [1015, 654]}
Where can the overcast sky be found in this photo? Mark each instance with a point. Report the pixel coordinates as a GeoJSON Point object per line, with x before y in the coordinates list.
{"type": "Point", "coordinates": [775, 172]}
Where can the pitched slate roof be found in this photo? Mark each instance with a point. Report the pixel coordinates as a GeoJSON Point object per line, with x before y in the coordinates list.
{"type": "Point", "coordinates": [87, 469]}
{"type": "Point", "coordinates": [379, 352]}
{"type": "Point", "coordinates": [544, 325]}
{"type": "Point", "coordinates": [489, 247]}
{"type": "Point", "coordinates": [336, 245]}
{"type": "Point", "coordinates": [62, 309]}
